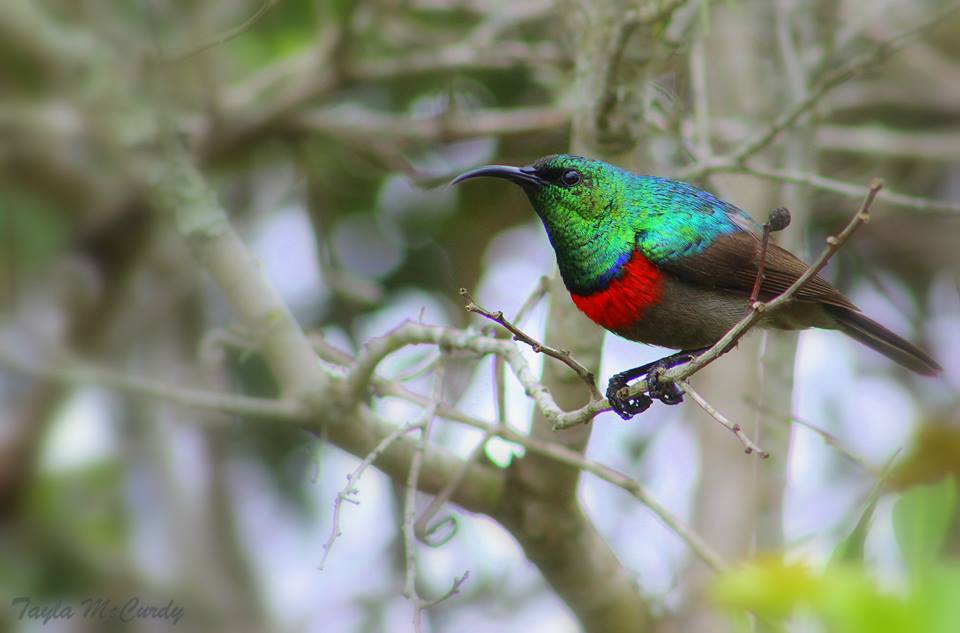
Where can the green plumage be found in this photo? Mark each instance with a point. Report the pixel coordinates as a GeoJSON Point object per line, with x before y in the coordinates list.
{"type": "Point", "coordinates": [595, 226]}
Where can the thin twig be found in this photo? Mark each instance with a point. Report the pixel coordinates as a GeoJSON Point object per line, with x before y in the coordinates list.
{"type": "Point", "coordinates": [846, 189]}
{"type": "Point", "coordinates": [748, 445]}
{"type": "Point", "coordinates": [574, 459]}
{"type": "Point", "coordinates": [703, 148]}
{"type": "Point", "coordinates": [764, 243]}
{"type": "Point", "coordinates": [422, 527]}
{"type": "Point", "coordinates": [828, 438]}
{"type": "Point", "coordinates": [536, 296]}
{"type": "Point", "coordinates": [410, 513]}
{"type": "Point", "coordinates": [363, 123]}
{"type": "Point", "coordinates": [500, 388]}
{"type": "Point", "coordinates": [791, 115]}
{"type": "Point", "coordinates": [350, 491]}
{"type": "Point", "coordinates": [227, 35]}
{"type": "Point", "coordinates": [778, 220]}
{"type": "Point", "coordinates": [77, 373]}
{"type": "Point", "coordinates": [410, 333]}
{"type": "Point", "coordinates": [519, 335]}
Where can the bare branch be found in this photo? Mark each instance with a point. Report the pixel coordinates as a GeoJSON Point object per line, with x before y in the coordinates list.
{"type": "Point", "coordinates": [227, 35]}
{"type": "Point", "coordinates": [410, 513]}
{"type": "Point", "coordinates": [410, 333]}
{"type": "Point", "coordinates": [811, 99]}
{"type": "Point", "coordinates": [537, 295]}
{"type": "Point", "coordinates": [350, 491]}
{"type": "Point", "coordinates": [561, 355]}
{"type": "Point", "coordinates": [845, 189]}
{"type": "Point", "coordinates": [828, 438]}
{"type": "Point", "coordinates": [221, 402]}
{"type": "Point", "coordinates": [357, 122]}
{"type": "Point", "coordinates": [779, 219]}
{"type": "Point", "coordinates": [75, 373]}
{"type": "Point", "coordinates": [422, 527]}
{"type": "Point", "coordinates": [936, 144]}
{"type": "Point", "coordinates": [748, 445]}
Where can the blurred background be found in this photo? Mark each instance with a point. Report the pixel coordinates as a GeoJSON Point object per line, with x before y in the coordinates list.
{"type": "Point", "coordinates": [329, 130]}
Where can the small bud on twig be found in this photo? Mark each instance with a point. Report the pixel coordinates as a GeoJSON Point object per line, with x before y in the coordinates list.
{"type": "Point", "coordinates": [779, 219]}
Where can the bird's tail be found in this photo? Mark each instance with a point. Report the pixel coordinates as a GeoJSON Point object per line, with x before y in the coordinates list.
{"type": "Point", "coordinates": [875, 336]}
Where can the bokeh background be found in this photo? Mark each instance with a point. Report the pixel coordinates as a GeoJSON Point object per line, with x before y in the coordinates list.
{"type": "Point", "coordinates": [329, 130]}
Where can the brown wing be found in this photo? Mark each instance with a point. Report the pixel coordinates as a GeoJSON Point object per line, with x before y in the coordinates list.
{"type": "Point", "coordinates": [731, 262]}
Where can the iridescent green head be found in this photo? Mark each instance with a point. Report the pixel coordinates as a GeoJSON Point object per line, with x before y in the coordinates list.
{"type": "Point", "coordinates": [563, 188]}
{"type": "Point", "coordinates": [579, 201]}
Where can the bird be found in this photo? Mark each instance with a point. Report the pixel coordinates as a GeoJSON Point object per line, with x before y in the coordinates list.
{"type": "Point", "coordinates": [665, 263]}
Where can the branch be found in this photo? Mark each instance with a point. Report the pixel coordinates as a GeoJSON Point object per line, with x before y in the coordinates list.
{"type": "Point", "coordinates": [561, 355]}
{"type": "Point", "coordinates": [360, 376]}
{"type": "Point", "coordinates": [828, 438]}
{"type": "Point", "coordinates": [354, 122]}
{"type": "Point", "coordinates": [298, 74]}
{"type": "Point", "coordinates": [183, 198]}
{"type": "Point", "coordinates": [816, 93]}
{"type": "Point", "coordinates": [389, 437]}
{"type": "Point", "coordinates": [936, 143]}
{"type": "Point", "coordinates": [941, 144]}
{"type": "Point", "coordinates": [845, 189]}
{"type": "Point", "coordinates": [410, 512]}
{"type": "Point", "coordinates": [422, 527]}
{"type": "Point", "coordinates": [227, 35]}
{"type": "Point", "coordinates": [748, 445]}
{"type": "Point", "coordinates": [564, 455]}
{"type": "Point", "coordinates": [778, 220]}
{"type": "Point", "coordinates": [80, 374]}
{"type": "Point", "coordinates": [350, 491]}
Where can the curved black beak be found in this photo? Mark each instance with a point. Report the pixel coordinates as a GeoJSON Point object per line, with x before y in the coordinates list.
{"type": "Point", "coordinates": [523, 176]}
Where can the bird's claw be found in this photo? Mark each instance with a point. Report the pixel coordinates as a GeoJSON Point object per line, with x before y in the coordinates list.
{"type": "Point", "coordinates": [626, 406]}
{"type": "Point", "coordinates": [659, 389]}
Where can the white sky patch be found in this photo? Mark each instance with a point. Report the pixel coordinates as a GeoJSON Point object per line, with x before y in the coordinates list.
{"type": "Point", "coordinates": [884, 309]}
{"type": "Point", "coordinates": [541, 612]}
{"type": "Point", "coordinates": [287, 551]}
{"type": "Point", "coordinates": [82, 432]}
{"type": "Point", "coordinates": [514, 263]}
{"type": "Point", "coordinates": [880, 416]}
{"type": "Point", "coordinates": [941, 325]}
{"type": "Point", "coordinates": [408, 305]}
{"type": "Point", "coordinates": [881, 547]}
{"type": "Point", "coordinates": [283, 242]}
{"type": "Point", "coordinates": [362, 246]}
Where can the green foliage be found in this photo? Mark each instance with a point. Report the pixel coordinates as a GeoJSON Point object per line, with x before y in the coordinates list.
{"type": "Point", "coordinates": [846, 596]}
{"type": "Point", "coordinates": [77, 526]}
{"type": "Point", "coordinates": [935, 454]}
{"type": "Point", "coordinates": [31, 231]}
{"type": "Point", "coordinates": [850, 548]}
{"type": "Point", "coordinates": [921, 519]}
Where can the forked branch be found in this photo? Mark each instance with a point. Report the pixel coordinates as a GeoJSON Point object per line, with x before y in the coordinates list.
{"type": "Point", "coordinates": [562, 355]}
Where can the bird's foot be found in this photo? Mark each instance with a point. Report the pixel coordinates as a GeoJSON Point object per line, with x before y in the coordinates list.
{"type": "Point", "coordinates": [659, 389]}
{"type": "Point", "coordinates": [625, 405]}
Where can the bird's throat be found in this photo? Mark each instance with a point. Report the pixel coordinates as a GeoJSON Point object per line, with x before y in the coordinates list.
{"type": "Point", "coordinates": [635, 288]}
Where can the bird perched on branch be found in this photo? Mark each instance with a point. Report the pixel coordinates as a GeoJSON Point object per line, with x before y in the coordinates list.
{"type": "Point", "coordinates": [664, 263]}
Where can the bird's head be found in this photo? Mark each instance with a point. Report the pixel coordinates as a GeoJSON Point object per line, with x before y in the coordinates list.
{"type": "Point", "coordinates": [564, 188]}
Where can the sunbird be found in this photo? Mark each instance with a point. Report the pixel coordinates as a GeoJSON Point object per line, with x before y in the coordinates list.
{"type": "Point", "coordinates": [661, 262]}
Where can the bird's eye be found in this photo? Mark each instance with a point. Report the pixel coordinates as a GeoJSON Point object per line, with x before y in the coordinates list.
{"type": "Point", "coordinates": [570, 178]}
